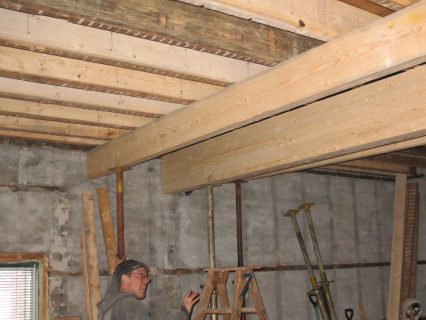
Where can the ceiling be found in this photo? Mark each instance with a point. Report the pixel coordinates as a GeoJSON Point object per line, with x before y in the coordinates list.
{"type": "Point", "coordinates": [83, 73]}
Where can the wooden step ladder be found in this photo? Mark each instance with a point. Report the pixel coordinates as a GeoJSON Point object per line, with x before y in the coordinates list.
{"type": "Point", "coordinates": [244, 282]}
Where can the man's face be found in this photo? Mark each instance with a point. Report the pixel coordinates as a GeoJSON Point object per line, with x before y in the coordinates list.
{"type": "Point", "coordinates": [138, 281]}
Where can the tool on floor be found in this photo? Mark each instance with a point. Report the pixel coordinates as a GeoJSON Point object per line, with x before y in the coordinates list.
{"type": "Point", "coordinates": [362, 311]}
{"type": "Point", "coordinates": [244, 282]}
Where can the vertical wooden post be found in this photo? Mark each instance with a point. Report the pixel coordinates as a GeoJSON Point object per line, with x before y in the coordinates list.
{"type": "Point", "coordinates": [91, 253]}
{"type": "Point", "coordinates": [211, 240]}
{"type": "Point", "coordinates": [120, 214]}
{"type": "Point", "coordinates": [107, 228]}
{"type": "Point", "coordinates": [397, 247]}
{"type": "Point", "coordinates": [85, 275]}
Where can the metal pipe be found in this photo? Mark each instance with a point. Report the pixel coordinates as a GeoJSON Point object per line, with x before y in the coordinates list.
{"type": "Point", "coordinates": [239, 223]}
{"type": "Point", "coordinates": [211, 240]}
{"type": "Point", "coordinates": [120, 213]}
{"type": "Point", "coordinates": [312, 278]}
{"type": "Point", "coordinates": [324, 282]}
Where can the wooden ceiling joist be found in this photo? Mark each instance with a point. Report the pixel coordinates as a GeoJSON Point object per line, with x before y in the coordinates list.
{"type": "Point", "coordinates": [318, 19]}
{"type": "Point", "coordinates": [370, 6]}
{"type": "Point", "coordinates": [41, 34]}
{"type": "Point", "coordinates": [59, 128]}
{"type": "Point", "coordinates": [38, 67]}
{"type": "Point", "coordinates": [52, 112]}
{"type": "Point", "coordinates": [374, 115]}
{"type": "Point", "coordinates": [24, 90]}
{"type": "Point", "coordinates": [176, 23]}
{"type": "Point", "coordinates": [369, 53]}
{"type": "Point", "coordinates": [32, 136]}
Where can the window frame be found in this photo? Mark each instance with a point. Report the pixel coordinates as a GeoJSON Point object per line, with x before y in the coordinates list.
{"type": "Point", "coordinates": [41, 259]}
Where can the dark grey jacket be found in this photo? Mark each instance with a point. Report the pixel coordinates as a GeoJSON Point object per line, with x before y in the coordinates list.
{"type": "Point", "coordinates": [117, 305]}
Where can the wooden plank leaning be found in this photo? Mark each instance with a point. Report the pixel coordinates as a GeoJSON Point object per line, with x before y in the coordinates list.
{"type": "Point", "coordinates": [90, 255]}
{"type": "Point", "coordinates": [107, 228]}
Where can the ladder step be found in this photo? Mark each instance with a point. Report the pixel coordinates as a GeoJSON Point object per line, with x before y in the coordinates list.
{"type": "Point", "coordinates": [229, 311]}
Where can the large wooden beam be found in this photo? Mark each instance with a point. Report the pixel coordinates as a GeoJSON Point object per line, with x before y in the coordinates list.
{"type": "Point", "coordinates": [323, 20]}
{"type": "Point", "coordinates": [60, 37]}
{"type": "Point", "coordinates": [34, 66]}
{"type": "Point", "coordinates": [38, 92]}
{"type": "Point", "coordinates": [388, 45]}
{"type": "Point", "coordinates": [375, 115]}
{"type": "Point", "coordinates": [178, 24]}
{"type": "Point", "coordinates": [370, 7]}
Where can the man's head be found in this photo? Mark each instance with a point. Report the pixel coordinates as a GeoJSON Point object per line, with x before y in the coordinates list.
{"type": "Point", "coordinates": [133, 277]}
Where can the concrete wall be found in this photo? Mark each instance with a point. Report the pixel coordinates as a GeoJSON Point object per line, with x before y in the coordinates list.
{"type": "Point", "coordinates": [40, 205]}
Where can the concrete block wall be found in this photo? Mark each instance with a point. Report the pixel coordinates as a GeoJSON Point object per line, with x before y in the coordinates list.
{"type": "Point", "coordinates": [40, 205]}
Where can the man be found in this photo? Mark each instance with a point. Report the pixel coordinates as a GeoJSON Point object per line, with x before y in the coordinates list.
{"type": "Point", "coordinates": [127, 287]}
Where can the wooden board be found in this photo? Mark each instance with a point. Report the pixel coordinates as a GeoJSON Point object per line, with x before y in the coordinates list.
{"type": "Point", "coordinates": [53, 112]}
{"type": "Point", "coordinates": [318, 19]}
{"type": "Point", "coordinates": [375, 115]}
{"type": "Point", "coordinates": [178, 24]}
{"type": "Point", "coordinates": [397, 247]}
{"type": "Point", "coordinates": [345, 62]}
{"type": "Point", "coordinates": [50, 35]}
{"type": "Point", "coordinates": [49, 69]}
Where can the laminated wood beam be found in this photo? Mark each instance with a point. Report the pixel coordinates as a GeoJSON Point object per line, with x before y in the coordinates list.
{"type": "Point", "coordinates": [50, 138]}
{"type": "Point", "coordinates": [376, 166]}
{"type": "Point", "coordinates": [59, 128]}
{"type": "Point", "coordinates": [369, 53]}
{"type": "Point", "coordinates": [62, 38]}
{"type": "Point", "coordinates": [38, 92]}
{"type": "Point", "coordinates": [52, 112]}
{"type": "Point", "coordinates": [317, 19]}
{"type": "Point", "coordinates": [368, 117]}
{"type": "Point", "coordinates": [176, 23]}
{"type": "Point", "coordinates": [38, 67]}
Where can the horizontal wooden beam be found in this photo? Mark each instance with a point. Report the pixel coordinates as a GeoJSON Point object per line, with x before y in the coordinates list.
{"type": "Point", "coordinates": [396, 146]}
{"type": "Point", "coordinates": [370, 6]}
{"type": "Point", "coordinates": [376, 166]}
{"type": "Point", "coordinates": [52, 112]}
{"type": "Point", "coordinates": [371, 52]}
{"type": "Point", "coordinates": [400, 159]}
{"type": "Point", "coordinates": [371, 116]}
{"type": "Point", "coordinates": [59, 128]}
{"type": "Point", "coordinates": [38, 67]}
{"type": "Point", "coordinates": [176, 23]}
{"type": "Point", "coordinates": [323, 20]}
{"type": "Point", "coordinates": [63, 38]}
{"type": "Point", "coordinates": [38, 92]}
{"type": "Point", "coordinates": [50, 138]}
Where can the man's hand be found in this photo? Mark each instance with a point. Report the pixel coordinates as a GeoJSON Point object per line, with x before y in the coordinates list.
{"type": "Point", "coordinates": [190, 299]}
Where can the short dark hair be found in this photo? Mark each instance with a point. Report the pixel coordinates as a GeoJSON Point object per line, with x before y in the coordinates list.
{"type": "Point", "coordinates": [127, 266]}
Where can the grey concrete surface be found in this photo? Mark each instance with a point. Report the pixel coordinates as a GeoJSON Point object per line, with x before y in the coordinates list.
{"type": "Point", "coordinates": [353, 219]}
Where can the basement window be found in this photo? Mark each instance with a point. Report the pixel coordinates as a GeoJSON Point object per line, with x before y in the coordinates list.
{"type": "Point", "coordinates": [22, 287]}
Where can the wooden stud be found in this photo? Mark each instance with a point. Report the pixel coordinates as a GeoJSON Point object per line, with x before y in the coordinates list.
{"type": "Point", "coordinates": [89, 228]}
{"type": "Point", "coordinates": [107, 228]}
{"type": "Point", "coordinates": [397, 247]}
